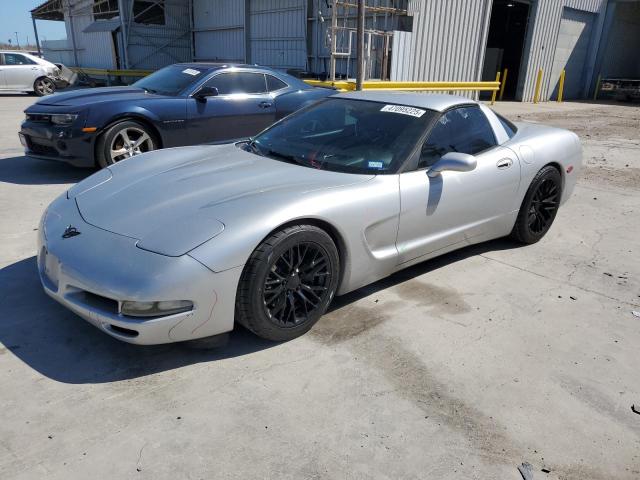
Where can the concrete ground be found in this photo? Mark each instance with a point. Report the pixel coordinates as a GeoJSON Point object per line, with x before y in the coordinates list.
{"type": "Point", "coordinates": [463, 367]}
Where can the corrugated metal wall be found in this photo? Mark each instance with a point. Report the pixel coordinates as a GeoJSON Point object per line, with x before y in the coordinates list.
{"type": "Point", "coordinates": [449, 40]}
{"type": "Point", "coordinates": [277, 32]}
{"type": "Point", "coordinates": [546, 16]}
{"type": "Point", "coordinates": [155, 46]}
{"type": "Point", "coordinates": [218, 27]}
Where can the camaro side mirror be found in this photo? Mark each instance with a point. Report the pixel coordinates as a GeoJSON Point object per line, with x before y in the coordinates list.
{"type": "Point", "coordinates": [205, 92]}
{"type": "Point", "coordinates": [454, 161]}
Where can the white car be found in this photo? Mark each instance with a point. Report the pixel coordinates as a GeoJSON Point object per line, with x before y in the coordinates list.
{"type": "Point", "coordinates": [24, 72]}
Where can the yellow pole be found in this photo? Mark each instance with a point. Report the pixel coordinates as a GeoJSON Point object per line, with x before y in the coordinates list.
{"type": "Point", "coordinates": [595, 94]}
{"type": "Point", "coordinates": [504, 82]}
{"type": "Point", "coordinates": [561, 86]}
{"type": "Point", "coordinates": [536, 95]}
{"type": "Point", "coordinates": [493, 95]}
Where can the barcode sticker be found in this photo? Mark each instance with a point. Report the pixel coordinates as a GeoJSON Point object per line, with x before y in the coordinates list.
{"type": "Point", "coordinates": [191, 71]}
{"type": "Point", "coordinates": [414, 112]}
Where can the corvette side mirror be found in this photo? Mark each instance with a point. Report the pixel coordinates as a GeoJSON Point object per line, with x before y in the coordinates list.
{"type": "Point", "coordinates": [205, 92]}
{"type": "Point", "coordinates": [453, 161]}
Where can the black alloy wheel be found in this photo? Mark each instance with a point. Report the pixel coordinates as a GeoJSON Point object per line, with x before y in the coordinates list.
{"type": "Point", "coordinates": [297, 284]}
{"type": "Point", "coordinates": [539, 207]}
{"type": "Point", "coordinates": [544, 205]}
{"type": "Point", "coordinates": [288, 282]}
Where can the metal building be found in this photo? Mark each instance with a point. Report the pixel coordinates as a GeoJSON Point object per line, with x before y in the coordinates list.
{"type": "Point", "coordinates": [119, 34]}
{"type": "Point", "coordinates": [419, 40]}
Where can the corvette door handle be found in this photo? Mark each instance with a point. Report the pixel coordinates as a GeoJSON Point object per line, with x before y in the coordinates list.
{"type": "Point", "coordinates": [504, 163]}
{"type": "Point", "coordinates": [265, 104]}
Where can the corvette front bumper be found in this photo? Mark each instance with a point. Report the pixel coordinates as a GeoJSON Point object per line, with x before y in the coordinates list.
{"type": "Point", "coordinates": [93, 272]}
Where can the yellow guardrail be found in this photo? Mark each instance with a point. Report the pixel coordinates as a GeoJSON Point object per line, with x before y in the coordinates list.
{"type": "Point", "coordinates": [112, 73]}
{"type": "Point", "coordinates": [349, 86]}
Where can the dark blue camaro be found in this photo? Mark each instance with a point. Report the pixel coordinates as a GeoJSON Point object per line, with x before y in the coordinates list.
{"type": "Point", "coordinates": [183, 104]}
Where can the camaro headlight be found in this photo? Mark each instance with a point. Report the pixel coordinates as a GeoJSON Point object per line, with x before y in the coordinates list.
{"type": "Point", "coordinates": [155, 309]}
{"type": "Point", "coordinates": [63, 118]}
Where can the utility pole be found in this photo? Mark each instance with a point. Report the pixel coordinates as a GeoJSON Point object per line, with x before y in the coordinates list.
{"type": "Point", "coordinates": [360, 43]}
{"type": "Point", "coordinates": [17, 41]}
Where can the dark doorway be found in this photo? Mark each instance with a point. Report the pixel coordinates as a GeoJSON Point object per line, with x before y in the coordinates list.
{"type": "Point", "coordinates": [505, 43]}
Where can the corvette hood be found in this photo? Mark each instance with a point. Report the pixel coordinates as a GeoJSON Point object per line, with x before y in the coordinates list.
{"type": "Point", "coordinates": [176, 199]}
{"type": "Point", "coordinates": [91, 96]}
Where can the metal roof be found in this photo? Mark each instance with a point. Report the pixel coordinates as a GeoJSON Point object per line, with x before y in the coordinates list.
{"type": "Point", "coordinates": [49, 10]}
{"type": "Point", "coordinates": [437, 102]}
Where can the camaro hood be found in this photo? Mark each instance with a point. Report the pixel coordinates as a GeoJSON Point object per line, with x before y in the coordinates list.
{"type": "Point", "coordinates": [91, 96]}
{"type": "Point", "coordinates": [173, 200]}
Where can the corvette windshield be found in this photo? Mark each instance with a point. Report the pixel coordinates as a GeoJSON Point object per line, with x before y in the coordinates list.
{"type": "Point", "coordinates": [171, 80]}
{"type": "Point", "coordinates": [345, 135]}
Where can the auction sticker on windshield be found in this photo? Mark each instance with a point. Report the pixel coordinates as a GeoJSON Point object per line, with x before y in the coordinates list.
{"type": "Point", "coordinates": [191, 71]}
{"type": "Point", "coordinates": [414, 112]}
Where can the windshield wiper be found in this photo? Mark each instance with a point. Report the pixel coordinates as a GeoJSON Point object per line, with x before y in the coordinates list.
{"type": "Point", "coordinates": [283, 156]}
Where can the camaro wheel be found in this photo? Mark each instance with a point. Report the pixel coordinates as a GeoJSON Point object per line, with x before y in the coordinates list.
{"type": "Point", "coordinates": [124, 140]}
{"type": "Point", "coordinates": [288, 283]}
{"type": "Point", "coordinates": [44, 86]}
{"type": "Point", "coordinates": [539, 206]}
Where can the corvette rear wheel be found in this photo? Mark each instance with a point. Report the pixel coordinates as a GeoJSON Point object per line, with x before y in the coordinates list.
{"type": "Point", "coordinates": [288, 283]}
{"type": "Point", "coordinates": [124, 140]}
{"type": "Point", "coordinates": [539, 206]}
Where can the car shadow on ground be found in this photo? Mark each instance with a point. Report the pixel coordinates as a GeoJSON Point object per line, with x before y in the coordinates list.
{"type": "Point", "coordinates": [63, 347]}
{"type": "Point", "coordinates": [24, 170]}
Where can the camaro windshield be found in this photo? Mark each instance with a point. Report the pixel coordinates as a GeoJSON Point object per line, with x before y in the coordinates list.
{"type": "Point", "coordinates": [171, 80]}
{"type": "Point", "coordinates": [344, 135]}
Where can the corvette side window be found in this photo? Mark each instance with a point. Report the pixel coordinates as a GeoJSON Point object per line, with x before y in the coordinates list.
{"type": "Point", "coordinates": [238, 82]}
{"type": "Point", "coordinates": [464, 130]}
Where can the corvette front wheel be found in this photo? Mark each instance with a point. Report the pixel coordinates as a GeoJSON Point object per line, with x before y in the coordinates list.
{"type": "Point", "coordinates": [288, 283]}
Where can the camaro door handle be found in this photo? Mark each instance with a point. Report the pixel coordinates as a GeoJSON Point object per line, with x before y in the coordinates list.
{"type": "Point", "coordinates": [265, 104]}
{"type": "Point", "coordinates": [504, 163]}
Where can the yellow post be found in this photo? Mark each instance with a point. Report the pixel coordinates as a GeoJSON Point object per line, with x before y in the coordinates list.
{"type": "Point", "coordinates": [536, 95]}
{"type": "Point", "coordinates": [493, 95]}
{"type": "Point", "coordinates": [595, 94]}
{"type": "Point", "coordinates": [561, 86]}
{"type": "Point", "coordinates": [504, 82]}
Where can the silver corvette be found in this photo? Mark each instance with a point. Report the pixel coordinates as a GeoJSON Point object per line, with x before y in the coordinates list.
{"type": "Point", "coordinates": [182, 243]}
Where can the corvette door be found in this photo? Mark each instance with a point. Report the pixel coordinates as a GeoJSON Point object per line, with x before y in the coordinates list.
{"type": "Point", "coordinates": [242, 108]}
{"type": "Point", "coordinates": [454, 207]}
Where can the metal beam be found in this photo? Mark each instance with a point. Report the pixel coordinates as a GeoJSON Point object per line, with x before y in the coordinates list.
{"type": "Point", "coordinates": [360, 46]}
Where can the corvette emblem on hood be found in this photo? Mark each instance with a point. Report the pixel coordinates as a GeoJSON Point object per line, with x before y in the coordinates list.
{"type": "Point", "coordinates": [70, 231]}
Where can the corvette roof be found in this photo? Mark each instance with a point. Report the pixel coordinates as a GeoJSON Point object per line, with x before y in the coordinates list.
{"type": "Point", "coordinates": [437, 102]}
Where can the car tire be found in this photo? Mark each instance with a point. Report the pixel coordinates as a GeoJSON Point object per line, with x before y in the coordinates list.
{"type": "Point", "coordinates": [539, 207]}
{"type": "Point", "coordinates": [113, 140]}
{"type": "Point", "coordinates": [288, 283]}
{"type": "Point", "coordinates": [44, 86]}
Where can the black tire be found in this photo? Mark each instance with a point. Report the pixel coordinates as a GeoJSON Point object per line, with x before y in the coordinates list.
{"type": "Point", "coordinates": [43, 86]}
{"type": "Point", "coordinates": [539, 207]}
{"type": "Point", "coordinates": [106, 141]}
{"type": "Point", "coordinates": [261, 291]}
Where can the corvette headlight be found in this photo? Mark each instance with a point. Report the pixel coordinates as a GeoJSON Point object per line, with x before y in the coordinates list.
{"type": "Point", "coordinates": [155, 309]}
{"type": "Point", "coordinates": [63, 118]}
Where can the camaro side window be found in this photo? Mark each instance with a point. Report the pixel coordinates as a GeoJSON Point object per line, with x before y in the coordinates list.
{"type": "Point", "coordinates": [233, 83]}
{"type": "Point", "coordinates": [464, 130]}
{"type": "Point", "coordinates": [275, 84]}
